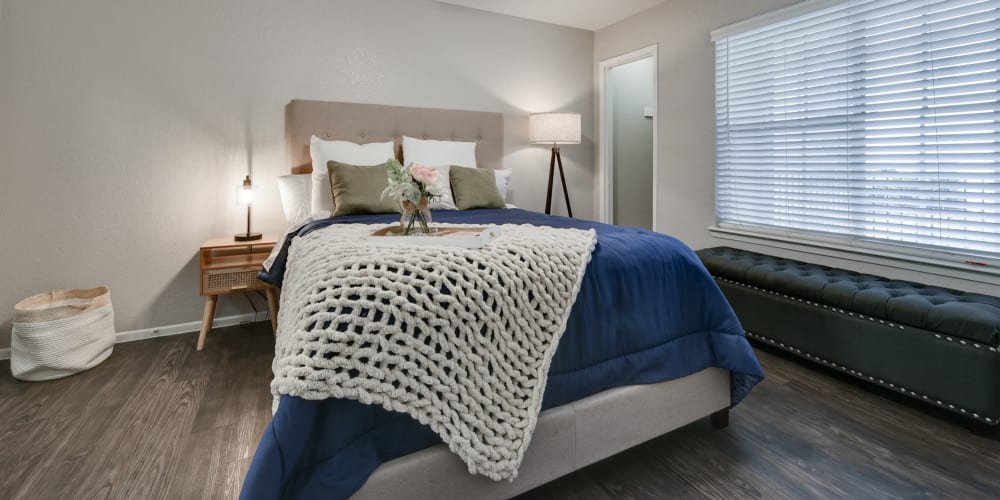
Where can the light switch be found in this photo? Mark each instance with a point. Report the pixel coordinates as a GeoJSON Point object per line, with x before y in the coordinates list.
{"type": "Point", "coordinates": [648, 113]}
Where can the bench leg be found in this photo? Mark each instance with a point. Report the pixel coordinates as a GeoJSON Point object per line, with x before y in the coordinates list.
{"type": "Point", "coordinates": [986, 431]}
{"type": "Point", "coordinates": [720, 419]}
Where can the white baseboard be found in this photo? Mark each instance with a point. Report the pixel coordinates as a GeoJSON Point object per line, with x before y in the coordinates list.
{"type": "Point", "coordinates": [168, 330]}
{"type": "Point", "coordinates": [179, 328]}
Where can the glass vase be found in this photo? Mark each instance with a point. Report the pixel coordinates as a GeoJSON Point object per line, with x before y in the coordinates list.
{"type": "Point", "coordinates": [416, 217]}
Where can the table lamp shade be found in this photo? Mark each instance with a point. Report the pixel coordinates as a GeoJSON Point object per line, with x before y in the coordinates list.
{"type": "Point", "coordinates": [554, 128]}
{"type": "Point", "coordinates": [245, 194]}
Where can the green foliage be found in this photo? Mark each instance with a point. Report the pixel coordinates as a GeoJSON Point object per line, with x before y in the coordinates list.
{"type": "Point", "coordinates": [402, 186]}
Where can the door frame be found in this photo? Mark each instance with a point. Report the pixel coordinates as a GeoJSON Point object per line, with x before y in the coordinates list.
{"type": "Point", "coordinates": [605, 160]}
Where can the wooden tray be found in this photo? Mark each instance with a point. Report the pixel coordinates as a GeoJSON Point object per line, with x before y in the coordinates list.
{"type": "Point", "coordinates": [451, 236]}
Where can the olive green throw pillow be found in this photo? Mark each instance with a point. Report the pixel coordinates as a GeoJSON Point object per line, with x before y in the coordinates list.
{"type": "Point", "coordinates": [358, 190]}
{"type": "Point", "coordinates": [475, 188]}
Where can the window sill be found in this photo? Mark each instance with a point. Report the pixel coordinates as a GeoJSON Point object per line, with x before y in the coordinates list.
{"type": "Point", "coordinates": [988, 272]}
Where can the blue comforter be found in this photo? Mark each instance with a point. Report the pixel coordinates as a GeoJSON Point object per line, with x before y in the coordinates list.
{"type": "Point", "coordinates": [647, 311]}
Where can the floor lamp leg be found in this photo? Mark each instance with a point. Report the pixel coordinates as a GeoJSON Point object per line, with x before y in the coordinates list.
{"type": "Point", "coordinates": [562, 176]}
{"type": "Point", "coordinates": [552, 168]}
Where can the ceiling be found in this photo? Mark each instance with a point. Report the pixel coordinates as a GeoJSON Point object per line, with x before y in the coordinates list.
{"type": "Point", "coordinates": [589, 15]}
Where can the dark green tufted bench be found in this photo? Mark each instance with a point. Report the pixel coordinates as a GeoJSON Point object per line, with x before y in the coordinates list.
{"type": "Point", "coordinates": [934, 344]}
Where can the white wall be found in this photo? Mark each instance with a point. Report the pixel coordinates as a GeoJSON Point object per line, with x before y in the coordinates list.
{"type": "Point", "coordinates": [126, 124]}
{"type": "Point", "coordinates": [686, 189]}
{"type": "Point", "coordinates": [630, 90]}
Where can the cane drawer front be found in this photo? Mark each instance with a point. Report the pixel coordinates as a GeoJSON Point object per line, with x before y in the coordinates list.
{"type": "Point", "coordinates": [228, 267]}
{"type": "Point", "coordinates": [231, 280]}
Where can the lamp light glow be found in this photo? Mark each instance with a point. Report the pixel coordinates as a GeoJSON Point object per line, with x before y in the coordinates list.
{"type": "Point", "coordinates": [246, 192]}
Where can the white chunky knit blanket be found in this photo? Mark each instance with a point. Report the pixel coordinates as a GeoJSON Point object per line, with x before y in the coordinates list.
{"type": "Point", "coordinates": [459, 339]}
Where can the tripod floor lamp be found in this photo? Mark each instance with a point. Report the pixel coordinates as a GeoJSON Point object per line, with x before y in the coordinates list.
{"type": "Point", "coordinates": [555, 129]}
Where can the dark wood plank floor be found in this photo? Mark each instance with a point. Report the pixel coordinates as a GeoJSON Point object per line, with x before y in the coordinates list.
{"type": "Point", "coordinates": [161, 420]}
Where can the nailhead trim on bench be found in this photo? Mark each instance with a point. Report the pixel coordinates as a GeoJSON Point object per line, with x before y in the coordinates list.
{"type": "Point", "coordinates": [871, 379]}
{"type": "Point", "coordinates": [857, 373]}
{"type": "Point", "coordinates": [890, 324]}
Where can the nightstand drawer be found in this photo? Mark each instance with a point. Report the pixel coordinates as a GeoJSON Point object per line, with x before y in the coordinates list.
{"type": "Point", "coordinates": [230, 280]}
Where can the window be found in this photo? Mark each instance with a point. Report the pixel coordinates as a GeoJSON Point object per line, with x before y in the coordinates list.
{"type": "Point", "coordinates": [871, 121]}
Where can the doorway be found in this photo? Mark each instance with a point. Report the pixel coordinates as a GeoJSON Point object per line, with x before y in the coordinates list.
{"type": "Point", "coordinates": [628, 97]}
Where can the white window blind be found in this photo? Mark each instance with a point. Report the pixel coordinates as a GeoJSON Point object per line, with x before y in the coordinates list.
{"type": "Point", "coordinates": [875, 120]}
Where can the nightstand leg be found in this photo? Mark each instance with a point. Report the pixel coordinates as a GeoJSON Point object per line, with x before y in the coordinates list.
{"type": "Point", "coordinates": [206, 320]}
{"type": "Point", "coordinates": [272, 308]}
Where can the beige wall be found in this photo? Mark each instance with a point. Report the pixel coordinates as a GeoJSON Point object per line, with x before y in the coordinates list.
{"type": "Point", "coordinates": [686, 189]}
{"type": "Point", "coordinates": [126, 124]}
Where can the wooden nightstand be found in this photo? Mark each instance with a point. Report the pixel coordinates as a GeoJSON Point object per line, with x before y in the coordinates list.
{"type": "Point", "coordinates": [229, 266]}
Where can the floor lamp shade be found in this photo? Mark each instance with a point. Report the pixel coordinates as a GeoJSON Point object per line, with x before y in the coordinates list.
{"type": "Point", "coordinates": [555, 129]}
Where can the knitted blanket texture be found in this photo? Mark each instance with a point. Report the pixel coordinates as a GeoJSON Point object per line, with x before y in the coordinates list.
{"type": "Point", "coordinates": [459, 339]}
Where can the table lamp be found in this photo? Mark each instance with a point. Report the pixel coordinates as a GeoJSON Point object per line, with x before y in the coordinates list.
{"type": "Point", "coordinates": [555, 129]}
{"type": "Point", "coordinates": [245, 194]}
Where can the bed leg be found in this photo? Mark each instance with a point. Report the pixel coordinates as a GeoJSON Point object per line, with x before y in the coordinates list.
{"type": "Point", "coordinates": [720, 419]}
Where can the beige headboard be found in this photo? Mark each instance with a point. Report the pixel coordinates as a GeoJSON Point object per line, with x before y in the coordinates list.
{"type": "Point", "coordinates": [363, 123]}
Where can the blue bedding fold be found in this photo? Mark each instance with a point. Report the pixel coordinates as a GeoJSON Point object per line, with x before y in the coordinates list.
{"type": "Point", "coordinates": [647, 311]}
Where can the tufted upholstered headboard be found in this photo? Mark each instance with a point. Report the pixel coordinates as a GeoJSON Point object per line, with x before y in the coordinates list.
{"type": "Point", "coordinates": [363, 123]}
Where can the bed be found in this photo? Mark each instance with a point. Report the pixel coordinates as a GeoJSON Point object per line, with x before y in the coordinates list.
{"type": "Point", "coordinates": [650, 345]}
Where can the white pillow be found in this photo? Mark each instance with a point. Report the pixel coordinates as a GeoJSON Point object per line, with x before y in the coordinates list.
{"type": "Point", "coordinates": [503, 180]}
{"type": "Point", "coordinates": [363, 155]}
{"type": "Point", "coordinates": [447, 200]}
{"type": "Point", "coordinates": [427, 152]}
{"type": "Point", "coordinates": [296, 197]}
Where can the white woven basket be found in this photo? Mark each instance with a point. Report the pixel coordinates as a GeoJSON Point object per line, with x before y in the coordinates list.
{"type": "Point", "coordinates": [60, 333]}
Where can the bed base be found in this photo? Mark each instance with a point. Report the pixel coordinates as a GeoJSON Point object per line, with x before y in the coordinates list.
{"type": "Point", "coordinates": [567, 438]}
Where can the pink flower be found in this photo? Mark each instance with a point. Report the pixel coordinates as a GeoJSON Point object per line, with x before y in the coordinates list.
{"type": "Point", "coordinates": [423, 174]}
